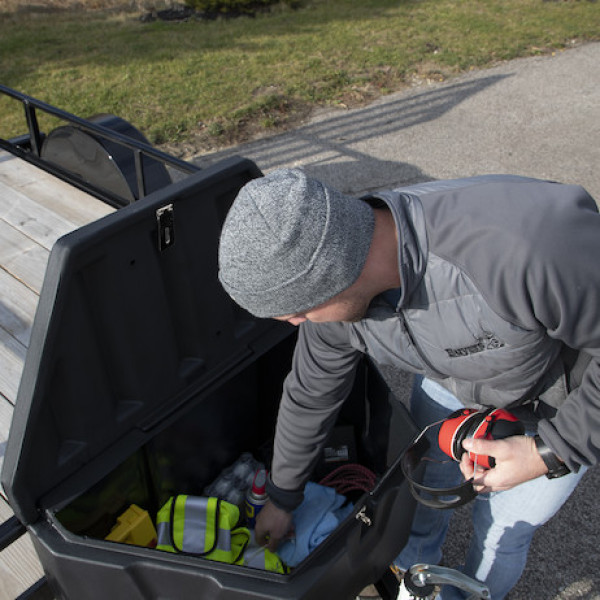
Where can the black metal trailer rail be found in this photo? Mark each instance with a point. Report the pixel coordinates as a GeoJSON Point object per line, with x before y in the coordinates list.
{"type": "Point", "coordinates": [10, 531]}
{"type": "Point", "coordinates": [29, 148]}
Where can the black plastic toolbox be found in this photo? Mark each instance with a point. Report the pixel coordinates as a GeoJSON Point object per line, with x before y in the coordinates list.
{"type": "Point", "coordinates": [143, 380]}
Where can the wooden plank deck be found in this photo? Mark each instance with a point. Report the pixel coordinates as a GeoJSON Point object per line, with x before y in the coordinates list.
{"type": "Point", "coordinates": [35, 210]}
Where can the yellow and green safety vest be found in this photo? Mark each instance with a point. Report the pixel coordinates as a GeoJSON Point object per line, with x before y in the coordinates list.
{"type": "Point", "coordinates": [209, 528]}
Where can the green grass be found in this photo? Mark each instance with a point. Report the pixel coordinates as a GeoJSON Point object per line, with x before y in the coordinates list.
{"type": "Point", "coordinates": [219, 81]}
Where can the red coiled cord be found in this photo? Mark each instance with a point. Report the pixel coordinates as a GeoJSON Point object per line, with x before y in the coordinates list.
{"type": "Point", "coordinates": [350, 477]}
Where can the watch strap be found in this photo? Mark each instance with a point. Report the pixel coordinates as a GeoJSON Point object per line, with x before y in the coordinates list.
{"type": "Point", "coordinates": [556, 468]}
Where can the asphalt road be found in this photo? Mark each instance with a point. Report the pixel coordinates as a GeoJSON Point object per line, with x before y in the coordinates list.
{"type": "Point", "coordinates": [536, 116]}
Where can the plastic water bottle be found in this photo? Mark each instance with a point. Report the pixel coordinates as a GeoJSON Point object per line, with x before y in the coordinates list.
{"type": "Point", "coordinates": [256, 497]}
{"type": "Point", "coordinates": [233, 483]}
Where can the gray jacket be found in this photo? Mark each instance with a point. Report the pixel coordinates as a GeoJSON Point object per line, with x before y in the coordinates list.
{"type": "Point", "coordinates": [499, 282]}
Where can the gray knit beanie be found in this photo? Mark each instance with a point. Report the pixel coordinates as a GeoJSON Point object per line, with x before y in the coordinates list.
{"type": "Point", "coordinates": [289, 243]}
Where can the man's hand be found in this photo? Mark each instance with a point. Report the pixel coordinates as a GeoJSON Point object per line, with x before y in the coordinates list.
{"type": "Point", "coordinates": [517, 461]}
{"type": "Point", "coordinates": [272, 525]}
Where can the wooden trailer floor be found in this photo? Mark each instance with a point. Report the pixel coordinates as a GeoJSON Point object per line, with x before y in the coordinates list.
{"type": "Point", "coordinates": [35, 210]}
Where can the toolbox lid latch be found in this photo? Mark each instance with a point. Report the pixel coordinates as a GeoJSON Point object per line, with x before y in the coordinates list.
{"type": "Point", "coordinates": [361, 515]}
{"type": "Point", "coordinates": [166, 230]}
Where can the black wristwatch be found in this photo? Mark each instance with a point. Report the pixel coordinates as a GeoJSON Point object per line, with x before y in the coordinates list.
{"type": "Point", "coordinates": [556, 468]}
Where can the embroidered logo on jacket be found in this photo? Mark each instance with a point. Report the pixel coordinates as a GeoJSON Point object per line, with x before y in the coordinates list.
{"type": "Point", "coordinates": [490, 342]}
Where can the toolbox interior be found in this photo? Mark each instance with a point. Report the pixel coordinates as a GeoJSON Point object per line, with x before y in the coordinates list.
{"type": "Point", "coordinates": [239, 416]}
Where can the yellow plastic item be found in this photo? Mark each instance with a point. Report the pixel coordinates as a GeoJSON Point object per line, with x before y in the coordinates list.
{"type": "Point", "coordinates": [134, 527]}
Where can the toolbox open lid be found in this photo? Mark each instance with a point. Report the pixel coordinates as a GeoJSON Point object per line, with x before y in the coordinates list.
{"type": "Point", "coordinates": [131, 323]}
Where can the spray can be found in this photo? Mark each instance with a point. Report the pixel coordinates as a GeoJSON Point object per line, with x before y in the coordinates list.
{"type": "Point", "coordinates": [256, 497]}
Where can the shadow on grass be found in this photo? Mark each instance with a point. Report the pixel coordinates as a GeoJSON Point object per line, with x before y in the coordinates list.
{"type": "Point", "coordinates": [326, 147]}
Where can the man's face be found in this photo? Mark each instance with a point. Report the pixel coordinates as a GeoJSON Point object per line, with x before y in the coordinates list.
{"type": "Point", "coordinates": [348, 307]}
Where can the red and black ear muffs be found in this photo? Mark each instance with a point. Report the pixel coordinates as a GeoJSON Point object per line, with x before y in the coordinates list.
{"type": "Point", "coordinates": [493, 423]}
{"type": "Point", "coordinates": [468, 423]}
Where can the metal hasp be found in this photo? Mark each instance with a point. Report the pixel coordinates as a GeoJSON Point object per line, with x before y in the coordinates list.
{"type": "Point", "coordinates": [420, 580]}
{"type": "Point", "coordinates": [361, 515]}
{"type": "Point", "coordinates": [166, 231]}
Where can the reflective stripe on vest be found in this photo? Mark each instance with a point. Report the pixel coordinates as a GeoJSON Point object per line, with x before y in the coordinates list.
{"type": "Point", "coordinates": [261, 558]}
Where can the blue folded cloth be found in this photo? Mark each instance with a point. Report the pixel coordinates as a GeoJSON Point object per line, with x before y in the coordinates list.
{"type": "Point", "coordinates": [321, 511]}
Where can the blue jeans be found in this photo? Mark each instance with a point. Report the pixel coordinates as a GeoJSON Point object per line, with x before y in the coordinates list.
{"type": "Point", "coordinates": [503, 522]}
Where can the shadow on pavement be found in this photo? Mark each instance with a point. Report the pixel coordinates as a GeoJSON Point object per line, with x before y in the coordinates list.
{"type": "Point", "coordinates": [325, 147]}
